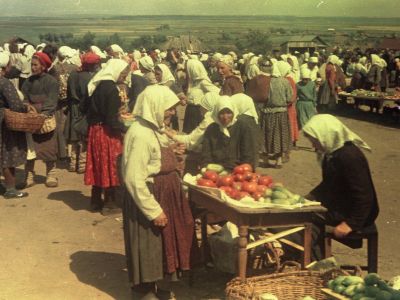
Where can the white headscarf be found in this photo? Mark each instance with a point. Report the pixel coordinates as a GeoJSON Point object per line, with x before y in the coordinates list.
{"type": "Point", "coordinates": [196, 71]}
{"type": "Point", "coordinates": [40, 46]}
{"type": "Point", "coordinates": [216, 57]}
{"type": "Point", "coordinates": [222, 103]}
{"type": "Point", "coordinates": [96, 50]}
{"type": "Point", "coordinates": [147, 63]}
{"type": "Point", "coordinates": [209, 101]}
{"type": "Point", "coordinates": [29, 51]}
{"type": "Point", "coordinates": [166, 74]}
{"type": "Point", "coordinates": [375, 60]}
{"type": "Point", "coordinates": [4, 59]}
{"type": "Point", "coordinates": [252, 69]}
{"type": "Point", "coordinates": [284, 68]}
{"type": "Point", "coordinates": [111, 71]}
{"type": "Point", "coordinates": [116, 48]}
{"type": "Point", "coordinates": [66, 52]}
{"type": "Point", "coordinates": [363, 60]}
{"type": "Point", "coordinates": [333, 59]}
{"type": "Point", "coordinates": [305, 73]}
{"type": "Point", "coordinates": [275, 70]}
{"type": "Point", "coordinates": [245, 105]}
{"type": "Point", "coordinates": [331, 133]}
{"type": "Point", "coordinates": [227, 60]}
{"type": "Point", "coordinates": [136, 55]}
{"type": "Point", "coordinates": [152, 104]}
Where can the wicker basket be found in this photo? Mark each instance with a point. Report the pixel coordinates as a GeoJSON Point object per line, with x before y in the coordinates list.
{"type": "Point", "coordinates": [285, 286]}
{"type": "Point", "coordinates": [26, 122]}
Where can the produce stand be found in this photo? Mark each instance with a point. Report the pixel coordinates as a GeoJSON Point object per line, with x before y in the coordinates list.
{"type": "Point", "coordinates": [364, 99]}
{"type": "Point", "coordinates": [299, 219]}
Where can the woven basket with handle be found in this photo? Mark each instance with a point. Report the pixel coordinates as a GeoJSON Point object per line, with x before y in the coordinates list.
{"type": "Point", "coordinates": [285, 286]}
{"type": "Point", "coordinates": [30, 121]}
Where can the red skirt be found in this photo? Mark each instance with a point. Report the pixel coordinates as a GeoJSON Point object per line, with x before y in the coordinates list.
{"type": "Point", "coordinates": [103, 149]}
{"type": "Point", "coordinates": [294, 127]}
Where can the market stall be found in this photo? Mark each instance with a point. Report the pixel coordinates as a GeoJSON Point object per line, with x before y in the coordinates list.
{"type": "Point", "coordinates": [248, 212]}
{"type": "Point", "coordinates": [370, 98]}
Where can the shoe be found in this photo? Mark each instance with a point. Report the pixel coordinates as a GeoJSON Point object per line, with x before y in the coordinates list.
{"type": "Point", "coordinates": [51, 182]}
{"type": "Point", "coordinates": [30, 179]}
{"type": "Point", "coordinates": [15, 195]}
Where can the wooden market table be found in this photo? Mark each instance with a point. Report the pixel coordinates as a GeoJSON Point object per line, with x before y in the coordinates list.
{"type": "Point", "coordinates": [244, 218]}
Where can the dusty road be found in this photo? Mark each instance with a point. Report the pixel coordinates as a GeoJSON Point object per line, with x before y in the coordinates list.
{"type": "Point", "coordinates": [52, 247]}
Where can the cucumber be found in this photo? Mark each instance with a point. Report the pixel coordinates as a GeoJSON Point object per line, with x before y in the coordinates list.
{"type": "Point", "coordinates": [331, 284]}
{"type": "Point", "coordinates": [338, 280]}
{"type": "Point", "coordinates": [215, 167]}
{"type": "Point", "coordinates": [281, 201]}
{"type": "Point", "coordinates": [350, 291]}
{"type": "Point", "coordinates": [279, 195]}
{"type": "Point", "coordinates": [339, 289]}
{"type": "Point", "coordinates": [360, 288]}
{"type": "Point", "coordinates": [223, 173]}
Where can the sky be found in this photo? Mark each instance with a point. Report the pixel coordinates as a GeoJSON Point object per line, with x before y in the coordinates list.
{"type": "Point", "coordinates": [331, 8]}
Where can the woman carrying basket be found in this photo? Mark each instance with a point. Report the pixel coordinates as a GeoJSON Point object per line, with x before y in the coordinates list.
{"type": "Point", "coordinates": [13, 143]}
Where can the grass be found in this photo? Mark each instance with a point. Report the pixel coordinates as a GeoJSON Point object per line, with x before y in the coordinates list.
{"type": "Point", "coordinates": [208, 28]}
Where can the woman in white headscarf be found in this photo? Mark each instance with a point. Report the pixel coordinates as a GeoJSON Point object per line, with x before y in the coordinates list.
{"type": "Point", "coordinates": [327, 97]}
{"type": "Point", "coordinates": [198, 85]}
{"type": "Point", "coordinates": [96, 50]}
{"type": "Point", "coordinates": [158, 225]}
{"type": "Point", "coordinates": [286, 71]}
{"type": "Point", "coordinates": [105, 134]}
{"type": "Point", "coordinates": [164, 77]}
{"type": "Point", "coordinates": [230, 140]}
{"type": "Point", "coordinates": [13, 143]}
{"type": "Point", "coordinates": [146, 66]}
{"type": "Point", "coordinates": [275, 118]}
{"type": "Point", "coordinates": [231, 83]}
{"type": "Point", "coordinates": [347, 189]}
{"type": "Point", "coordinates": [306, 98]}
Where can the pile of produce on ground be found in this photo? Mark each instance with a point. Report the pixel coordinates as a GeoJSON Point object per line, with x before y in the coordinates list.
{"type": "Point", "coordinates": [243, 182]}
{"type": "Point", "coordinates": [370, 288]}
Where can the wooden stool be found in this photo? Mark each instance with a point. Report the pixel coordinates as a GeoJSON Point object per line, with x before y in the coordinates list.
{"type": "Point", "coordinates": [355, 241]}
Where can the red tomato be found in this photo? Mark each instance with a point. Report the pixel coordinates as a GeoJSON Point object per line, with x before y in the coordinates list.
{"type": "Point", "coordinates": [239, 177]}
{"type": "Point", "coordinates": [225, 180]}
{"type": "Point", "coordinates": [237, 186]}
{"type": "Point", "coordinates": [249, 187]}
{"type": "Point", "coordinates": [243, 194]}
{"type": "Point", "coordinates": [261, 188]}
{"type": "Point", "coordinates": [226, 189]}
{"type": "Point", "coordinates": [246, 167]}
{"type": "Point", "coordinates": [265, 180]}
{"type": "Point", "coordinates": [205, 182]}
{"type": "Point", "coordinates": [257, 195]}
{"type": "Point", "coordinates": [234, 194]}
{"type": "Point", "coordinates": [248, 176]}
{"type": "Point", "coordinates": [238, 170]}
{"type": "Point", "coordinates": [211, 175]}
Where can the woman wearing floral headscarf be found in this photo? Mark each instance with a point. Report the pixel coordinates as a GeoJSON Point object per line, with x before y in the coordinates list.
{"type": "Point", "coordinates": [104, 137]}
{"type": "Point", "coordinates": [231, 83]}
{"type": "Point", "coordinates": [158, 225]}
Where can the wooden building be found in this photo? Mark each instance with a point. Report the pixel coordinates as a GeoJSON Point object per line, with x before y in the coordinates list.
{"type": "Point", "coordinates": [303, 43]}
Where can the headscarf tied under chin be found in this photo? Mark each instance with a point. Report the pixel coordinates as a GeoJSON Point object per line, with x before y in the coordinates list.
{"type": "Point", "coordinates": [331, 133]}
{"type": "Point", "coordinates": [224, 102]}
{"type": "Point", "coordinates": [245, 106]}
{"type": "Point", "coordinates": [111, 71]}
{"type": "Point", "coordinates": [152, 104]}
{"type": "Point", "coordinates": [166, 74]}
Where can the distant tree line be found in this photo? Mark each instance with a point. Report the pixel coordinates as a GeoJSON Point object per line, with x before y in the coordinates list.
{"type": "Point", "coordinates": [88, 39]}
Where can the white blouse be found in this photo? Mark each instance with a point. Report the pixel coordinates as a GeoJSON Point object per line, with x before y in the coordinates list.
{"type": "Point", "coordinates": [141, 161]}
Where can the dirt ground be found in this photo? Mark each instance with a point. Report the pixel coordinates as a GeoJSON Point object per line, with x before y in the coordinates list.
{"type": "Point", "coordinates": [53, 247]}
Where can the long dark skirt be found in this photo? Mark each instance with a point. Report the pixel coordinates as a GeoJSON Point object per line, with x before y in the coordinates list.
{"type": "Point", "coordinates": [143, 245]}
{"type": "Point", "coordinates": [325, 98]}
{"type": "Point", "coordinates": [276, 128]}
{"type": "Point", "coordinates": [13, 152]}
{"type": "Point", "coordinates": [192, 118]}
{"type": "Point", "coordinates": [46, 146]}
{"type": "Point", "coordinates": [61, 142]}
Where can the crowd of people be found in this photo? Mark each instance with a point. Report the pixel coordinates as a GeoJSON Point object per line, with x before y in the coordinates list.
{"type": "Point", "coordinates": [115, 121]}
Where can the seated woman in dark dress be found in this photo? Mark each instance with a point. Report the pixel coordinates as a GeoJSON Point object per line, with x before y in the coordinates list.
{"type": "Point", "coordinates": [346, 190]}
{"type": "Point", "coordinates": [230, 140]}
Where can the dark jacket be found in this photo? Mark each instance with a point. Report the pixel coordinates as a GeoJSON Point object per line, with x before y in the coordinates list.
{"type": "Point", "coordinates": [347, 190]}
{"type": "Point", "coordinates": [241, 147]}
{"type": "Point", "coordinates": [104, 106]}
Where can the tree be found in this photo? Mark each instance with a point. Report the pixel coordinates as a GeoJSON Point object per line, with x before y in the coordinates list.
{"type": "Point", "coordinates": [87, 40]}
{"type": "Point", "coordinates": [255, 41]}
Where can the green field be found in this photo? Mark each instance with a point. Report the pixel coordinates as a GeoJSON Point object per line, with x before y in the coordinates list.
{"type": "Point", "coordinates": [208, 29]}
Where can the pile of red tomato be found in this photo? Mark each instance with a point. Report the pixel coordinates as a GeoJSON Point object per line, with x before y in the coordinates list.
{"type": "Point", "coordinates": [240, 183]}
